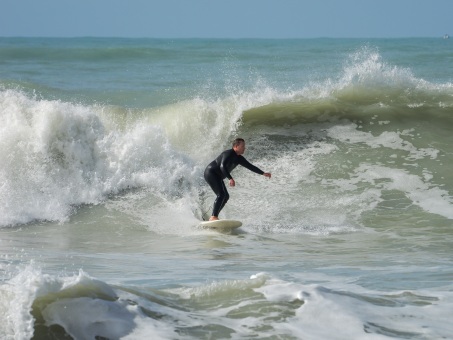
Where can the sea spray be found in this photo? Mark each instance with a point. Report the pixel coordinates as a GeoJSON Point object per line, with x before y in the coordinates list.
{"type": "Point", "coordinates": [61, 155]}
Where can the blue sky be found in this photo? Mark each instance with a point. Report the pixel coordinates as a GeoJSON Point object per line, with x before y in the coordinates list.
{"type": "Point", "coordinates": [227, 18]}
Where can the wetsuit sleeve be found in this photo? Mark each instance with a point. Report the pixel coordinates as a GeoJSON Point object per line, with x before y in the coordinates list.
{"type": "Point", "coordinates": [223, 164]}
{"type": "Point", "coordinates": [245, 163]}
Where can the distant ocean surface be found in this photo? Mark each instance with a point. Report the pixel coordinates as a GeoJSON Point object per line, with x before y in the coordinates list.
{"type": "Point", "coordinates": [103, 144]}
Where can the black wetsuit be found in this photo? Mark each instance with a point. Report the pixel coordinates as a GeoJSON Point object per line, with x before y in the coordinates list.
{"type": "Point", "coordinates": [218, 170]}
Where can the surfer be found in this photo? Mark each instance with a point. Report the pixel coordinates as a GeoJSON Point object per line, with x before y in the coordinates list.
{"type": "Point", "coordinates": [221, 167]}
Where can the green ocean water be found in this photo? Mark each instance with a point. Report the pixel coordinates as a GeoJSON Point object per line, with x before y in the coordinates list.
{"type": "Point", "coordinates": [103, 145]}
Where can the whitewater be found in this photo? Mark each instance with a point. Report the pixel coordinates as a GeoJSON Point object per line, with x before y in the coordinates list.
{"type": "Point", "coordinates": [103, 145]}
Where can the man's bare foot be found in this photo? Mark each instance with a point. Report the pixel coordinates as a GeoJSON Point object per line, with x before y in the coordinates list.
{"type": "Point", "coordinates": [213, 218]}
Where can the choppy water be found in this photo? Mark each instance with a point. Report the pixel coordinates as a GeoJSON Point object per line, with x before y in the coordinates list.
{"type": "Point", "coordinates": [103, 144]}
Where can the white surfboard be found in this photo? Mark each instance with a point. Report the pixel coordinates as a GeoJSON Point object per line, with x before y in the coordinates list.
{"type": "Point", "coordinates": [224, 225]}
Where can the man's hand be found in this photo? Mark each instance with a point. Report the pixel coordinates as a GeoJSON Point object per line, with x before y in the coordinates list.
{"type": "Point", "coordinates": [232, 183]}
{"type": "Point", "coordinates": [267, 174]}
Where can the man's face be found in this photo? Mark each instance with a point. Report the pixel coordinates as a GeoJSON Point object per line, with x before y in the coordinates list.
{"type": "Point", "coordinates": [240, 148]}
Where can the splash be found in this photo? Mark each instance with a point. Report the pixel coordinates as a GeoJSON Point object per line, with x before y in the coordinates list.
{"type": "Point", "coordinates": [59, 155]}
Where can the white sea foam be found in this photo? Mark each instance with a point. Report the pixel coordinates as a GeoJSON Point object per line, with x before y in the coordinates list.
{"type": "Point", "coordinates": [418, 189]}
{"type": "Point", "coordinates": [363, 314]}
{"type": "Point", "coordinates": [83, 306]}
{"type": "Point", "coordinates": [430, 198]}
{"type": "Point", "coordinates": [388, 139]}
{"type": "Point", "coordinates": [312, 311]}
{"type": "Point", "coordinates": [60, 155]}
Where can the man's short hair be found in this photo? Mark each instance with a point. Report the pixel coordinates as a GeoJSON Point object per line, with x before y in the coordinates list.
{"type": "Point", "coordinates": [238, 141]}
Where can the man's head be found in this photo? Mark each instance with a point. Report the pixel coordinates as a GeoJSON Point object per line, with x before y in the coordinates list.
{"type": "Point", "coordinates": [239, 146]}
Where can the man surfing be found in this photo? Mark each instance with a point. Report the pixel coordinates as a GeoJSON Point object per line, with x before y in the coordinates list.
{"type": "Point", "coordinates": [221, 167]}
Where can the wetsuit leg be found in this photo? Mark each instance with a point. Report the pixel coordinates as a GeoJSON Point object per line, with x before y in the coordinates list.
{"type": "Point", "coordinates": [218, 186]}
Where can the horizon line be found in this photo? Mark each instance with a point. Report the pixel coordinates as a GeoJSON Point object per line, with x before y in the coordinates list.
{"type": "Point", "coordinates": [216, 38]}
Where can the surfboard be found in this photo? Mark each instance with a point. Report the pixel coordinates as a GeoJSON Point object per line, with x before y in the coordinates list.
{"type": "Point", "coordinates": [224, 225]}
